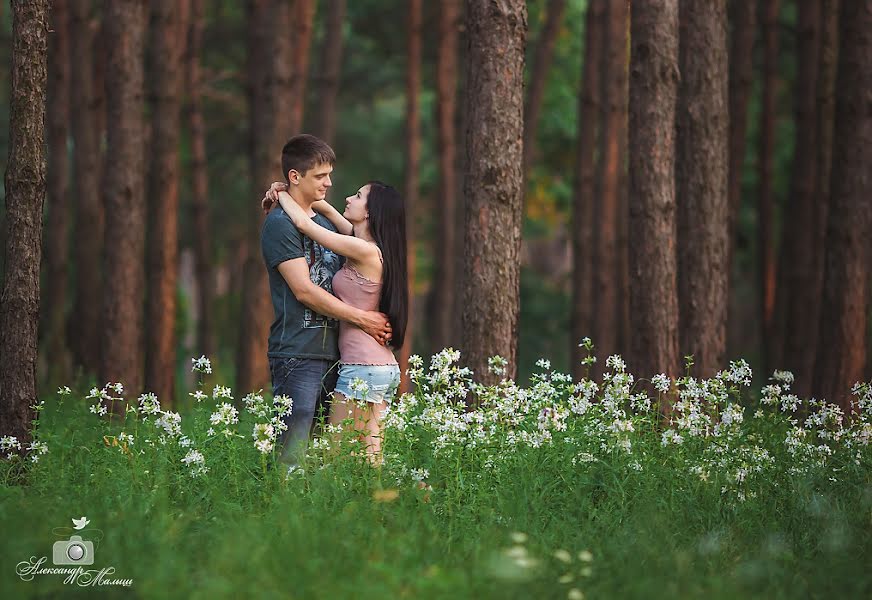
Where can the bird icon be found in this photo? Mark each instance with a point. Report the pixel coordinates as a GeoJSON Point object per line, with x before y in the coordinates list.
{"type": "Point", "coordinates": [81, 522]}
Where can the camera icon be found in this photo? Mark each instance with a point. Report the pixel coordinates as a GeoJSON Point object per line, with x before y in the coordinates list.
{"type": "Point", "coordinates": [74, 551]}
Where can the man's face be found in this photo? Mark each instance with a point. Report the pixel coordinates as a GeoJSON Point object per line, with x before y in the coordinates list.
{"type": "Point", "coordinates": [313, 185]}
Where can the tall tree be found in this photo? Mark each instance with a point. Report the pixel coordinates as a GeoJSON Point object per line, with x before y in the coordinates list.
{"type": "Point", "coordinates": [496, 33]}
{"type": "Point", "coordinates": [122, 350]}
{"type": "Point", "coordinates": [331, 64]}
{"type": "Point", "coordinates": [25, 193]}
{"type": "Point", "coordinates": [583, 193]}
{"type": "Point", "coordinates": [743, 19]}
{"type": "Point", "coordinates": [612, 142]}
{"type": "Point", "coordinates": [542, 59]}
{"type": "Point", "coordinates": [796, 273]}
{"type": "Point", "coordinates": [443, 317]}
{"type": "Point", "coordinates": [653, 258]}
{"type": "Point", "coordinates": [57, 237]}
{"type": "Point", "coordinates": [847, 270]}
{"type": "Point", "coordinates": [168, 30]}
{"type": "Point", "coordinates": [826, 92]}
{"type": "Point", "coordinates": [765, 198]}
{"type": "Point", "coordinates": [413, 157]}
{"type": "Point", "coordinates": [701, 183]}
{"type": "Point", "coordinates": [86, 108]}
{"type": "Point", "coordinates": [279, 36]}
{"type": "Point", "coordinates": [199, 182]}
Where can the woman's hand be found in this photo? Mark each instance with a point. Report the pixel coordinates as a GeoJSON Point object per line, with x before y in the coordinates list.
{"type": "Point", "coordinates": [272, 195]}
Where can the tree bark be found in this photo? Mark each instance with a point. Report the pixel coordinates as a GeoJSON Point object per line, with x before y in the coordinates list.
{"type": "Point", "coordinates": [25, 193]}
{"type": "Point", "coordinates": [743, 17]}
{"type": "Point", "coordinates": [701, 184]}
{"type": "Point", "coordinates": [331, 65]}
{"type": "Point", "coordinates": [846, 285]}
{"type": "Point", "coordinates": [583, 195]}
{"type": "Point", "coordinates": [123, 309]}
{"type": "Point", "coordinates": [57, 237]}
{"type": "Point", "coordinates": [169, 23]}
{"type": "Point", "coordinates": [653, 259]}
{"type": "Point", "coordinates": [199, 183]}
{"type": "Point", "coordinates": [443, 317]}
{"type": "Point", "coordinates": [302, 19]}
{"type": "Point", "coordinates": [796, 273]}
{"type": "Point", "coordinates": [765, 199]}
{"type": "Point", "coordinates": [413, 156]}
{"type": "Point", "coordinates": [542, 59]}
{"type": "Point", "coordinates": [606, 254]}
{"type": "Point", "coordinates": [493, 186]}
{"type": "Point", "coordinates": [84, 326]}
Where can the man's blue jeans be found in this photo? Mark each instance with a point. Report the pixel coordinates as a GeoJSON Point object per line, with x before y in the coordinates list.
{"type": "Point", "coordinates": [309, 382]}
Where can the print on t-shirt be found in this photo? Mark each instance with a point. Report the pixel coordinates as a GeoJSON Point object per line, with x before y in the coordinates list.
{"type": "Point", "coordinates": [323, 264]}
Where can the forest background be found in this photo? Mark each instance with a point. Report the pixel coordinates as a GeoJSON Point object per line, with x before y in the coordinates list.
{"type": "Point", "coordinates": [372, 139]}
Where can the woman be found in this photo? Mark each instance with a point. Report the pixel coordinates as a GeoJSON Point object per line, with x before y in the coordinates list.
{"type": "Point", "coordinates": [372, 238]}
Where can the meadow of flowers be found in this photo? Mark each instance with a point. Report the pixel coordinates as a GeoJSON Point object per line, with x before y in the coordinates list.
{"type": "Point", "coordinates": [560, 489]}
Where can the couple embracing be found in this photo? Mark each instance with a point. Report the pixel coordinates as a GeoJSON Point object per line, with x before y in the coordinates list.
{"type": "Point", "coordinates": [339, 289]}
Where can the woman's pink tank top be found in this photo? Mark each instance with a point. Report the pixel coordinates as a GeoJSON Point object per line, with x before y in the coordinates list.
{"type": "Point", "coordinates": [355, 346]}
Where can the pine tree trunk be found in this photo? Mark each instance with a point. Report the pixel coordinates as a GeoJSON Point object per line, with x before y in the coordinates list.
{"type": "Point", "coordinates": [796, 272]}
{"type": "Point", "coordinates": [303, 17]}
{"type": "Point", "coordinates": [701, 184]}
{"type": "Point", "coordinates": [413, 156]}
{"type": "Point", "coordinates": [765, 199]}
{"type": "Point", "coordinates": [122, 350]}
{"type": "Point", "coordinates": [169, 26]}
{"type": "Point", "coordinates": [653, 259]}
{"type": "Point", "coordinates": [443, 317]}
{"type": "Point", "coordinates": [842, 359]}
{"type": "Point", "coordinates": [57, 237]}
{"type": "Point", "coordinates": [606, 255]}
{"type": "Point", "coordinates": [826, 102]}
{"type": "Point", "coordinates": [199, 184]}
{"type": "Point", "coordinates": [331, 65]}
{"type": "Point", "coordinates": [25, 193]}
{"type": "Point", "coordinates": [494, 179]}
{"type": "Point", "coordinates": [538, 76]}
{"type": "Point", "coordinates": [583, 195]}
{"type": "Point", "coordinates": [85, 324]}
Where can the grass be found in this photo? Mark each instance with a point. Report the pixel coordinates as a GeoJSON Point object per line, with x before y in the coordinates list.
{"type": "Point", "coordinates": [541, 505]}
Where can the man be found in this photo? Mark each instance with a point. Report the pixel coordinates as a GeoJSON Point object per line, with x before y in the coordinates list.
{"type": "Point", "coordinates": [303, 353]}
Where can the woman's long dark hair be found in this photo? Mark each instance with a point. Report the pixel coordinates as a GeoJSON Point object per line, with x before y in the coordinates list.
{"type": "Point", "coordinates": [387, 225]}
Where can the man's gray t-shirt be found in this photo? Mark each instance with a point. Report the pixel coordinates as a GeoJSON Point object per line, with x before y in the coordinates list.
{"type": "Point", "coordinates": [297, 330]}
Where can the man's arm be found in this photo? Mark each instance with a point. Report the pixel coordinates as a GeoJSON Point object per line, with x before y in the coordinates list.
{"type": "Point", "coordinates": [296, 273]}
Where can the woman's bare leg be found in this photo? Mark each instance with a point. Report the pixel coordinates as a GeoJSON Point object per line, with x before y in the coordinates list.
{"type": "Point", "coordinates": [345, 415]}
{"type": "Point", "coordinates": [373, 416]}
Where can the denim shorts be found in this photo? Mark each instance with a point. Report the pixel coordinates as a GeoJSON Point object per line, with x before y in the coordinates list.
{"type": "Point", "coordinates": [372, 383]}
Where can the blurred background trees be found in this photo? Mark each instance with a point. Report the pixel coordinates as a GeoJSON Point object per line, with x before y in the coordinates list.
{"type": "Point", "coordinates": [715, 191]}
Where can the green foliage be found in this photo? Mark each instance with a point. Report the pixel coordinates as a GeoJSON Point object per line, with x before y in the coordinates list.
{"type": "Point", "coordinates": [540, 491]}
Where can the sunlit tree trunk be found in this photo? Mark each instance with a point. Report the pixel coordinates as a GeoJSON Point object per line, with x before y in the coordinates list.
{"type": "Point", "coordinates": [57, 237]}
{"type": "Point", "coordinates": [25, 194]}
{"type": "Point", "coordinates": [167, 44]}
{"type": "Point", "coordinates": [84, 326]}
{"type": "Point", "coordinates": [796, 273]}
{"type": "Point", "coordinates": [443, 318]}
{"type": "Point", "coordinates": [542, 59]}
{"type": "Point", "coordinates": [583, 194]}
{"type": "Point", "coordinates": [765, 197]}
{"type": "Point", "coordinates": [200, 184]}
{"type": "Point", "coordinates": [701, 183]}
{"type": "Point", "coordinates": [842, 358]}
{"type": "Point", "coordinates": [413, 156]}
{"type": "Point", "coordinates": [496, 35]}
{"type": "Point", "coordinates": [122, 348]}
{"type": "Point", "coordinates": [331, 64]}
{"type": "Point", "coordinates": [302, 19]}
{"type": "Point", "coordinates": [606, 259]}
{"type": "Point", "coordinates": [653, 258]}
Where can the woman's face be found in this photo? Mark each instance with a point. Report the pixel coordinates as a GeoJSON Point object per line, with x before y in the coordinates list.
{"type": "Point", "coordinates": [356, 206]}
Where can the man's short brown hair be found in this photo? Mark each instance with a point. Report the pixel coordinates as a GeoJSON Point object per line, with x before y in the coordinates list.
{"type": "Point", "coordinates": [304, 151]}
